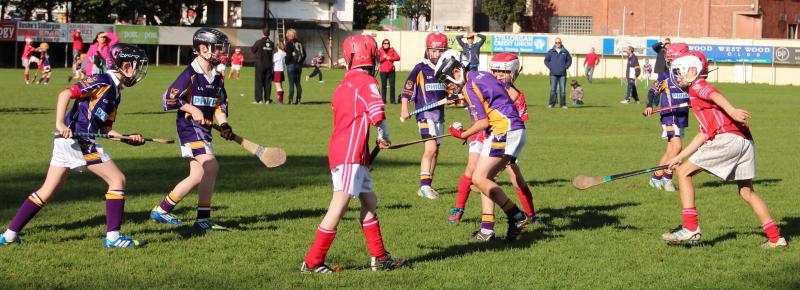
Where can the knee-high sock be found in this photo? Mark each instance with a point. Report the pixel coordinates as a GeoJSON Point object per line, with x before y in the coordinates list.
{"type": "Point", "coordinates": [526, 198]}
{"type": "Point", "coordinates": [372, 232]}
{"type": "Point", "coordinates": [690, 218]}
{"type": "Point", "coordinates": [425, 179]}
{"type": "Point", "coordinates": [463, 191]}
{"type": "Point", "coordinates": [203, 210]}
{"type": "Point", "coordinates": [30, 207]}
{"type": "Point", "coordinates": [280, 95]}
{"type": "Point", "coordinates": [115, 207]}
{"type": "Point", "coordinates": [169, 202]}
{"type": "Point", "coordinates": [512, 211]}
{"type": "Point", "coordinates": [319, 249]}
{"type": "Point", "coordinates": [772, 231]}
{"type": "Point", "coordinates": [487, 223]}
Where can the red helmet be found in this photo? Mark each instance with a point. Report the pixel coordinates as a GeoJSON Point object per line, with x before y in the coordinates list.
{"type": "Point", "coordinates": [676, 49]}
{"type": "Point", "coordinates": [28, 38]}
{"type": "Point", "coordinates": [508, 62]}
{"type": "Point", "coordinates": [436, 40]}
{"type": "Point", "coordinates": [360, 51]}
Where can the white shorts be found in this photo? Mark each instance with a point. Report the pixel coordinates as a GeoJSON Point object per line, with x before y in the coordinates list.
{"type": "Point", "coordinates": [508, 144]}
{"type": "Point", "coordinates": [428, 129]}
{"type": "Point", "coordinates": [672, 131]}
{"type": "Point", "coordinates": [72, 154]}
{"type": "Point", "coordinates": [725, 154]}
{"type": "Point", "coordinates": [475, 147]}
{"type": "Point", "coordinates": [236, 67]}
{"type": "Point", "coordinates": [354, 179]}
{"type": "Point", "coordinates": [221, 67]}
{"type": "Point", "coordinates": [192, 149]}
{"type": "Point", "coordinates": [26, 63]}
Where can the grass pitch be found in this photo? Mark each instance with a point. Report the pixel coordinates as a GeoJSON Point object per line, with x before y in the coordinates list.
{"type": "Point", "coordinates": [604, 237]}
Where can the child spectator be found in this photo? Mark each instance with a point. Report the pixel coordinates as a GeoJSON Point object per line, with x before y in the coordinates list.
{"type": "Point", "coordinates": [577, 93]}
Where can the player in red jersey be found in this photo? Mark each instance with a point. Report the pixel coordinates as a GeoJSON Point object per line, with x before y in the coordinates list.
{"type": "Point", "coordinates": [724, 148]}
{"type": "Point", "coordinates": [237, 61]}
{"type": "Point", "coordinates": [356, 105]}
{"type": "Point", "coordinates": [27, 58]}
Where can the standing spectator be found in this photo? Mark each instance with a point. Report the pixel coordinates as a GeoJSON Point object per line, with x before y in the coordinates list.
{"type": "Point", "coordinates": [295, 56]}
{"type": "Point", "coordinates": [661, 59]}
{"type": "Point", "coordinates": [278, 66]}
{"type": "Point", "coordinates": [471, 50]}
{"type": "Point", "coordinates": [591, 61]}
{"type": "Point", "coordinates": [632, 73]}
{"type": "Point", "coordinates": [317, 62]}
{"type": "Point", "coordinates": [97, 56]}
{"type": "Point", "coordinates": [263, 53]}
{"type": "Point", "coordinates": [558, 60]}
{"type": "Point", "coordinates": [387, 56]}
{"type": "Point", "coordinates": [77, 44]}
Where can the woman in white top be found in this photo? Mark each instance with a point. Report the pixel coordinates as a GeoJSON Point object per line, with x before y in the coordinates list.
{"type": "Point", "coordinates": [278, 65]}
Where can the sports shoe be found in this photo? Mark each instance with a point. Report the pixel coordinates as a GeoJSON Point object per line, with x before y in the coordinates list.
{"type": "Point", "coordinates": [666, 184]}
{"type": "Point", "coordinates": [656, 183]}
{"type": "Point", "coordinates": [427, 192]}
{"type": "Point", "coordinates": [320, 269]}
{"type": "Point", "coordinates": [624, 102]}
{"type": "Point", "coordinates": [278, 103]}
{"type": "Point", "coordinates": [533, 219]}
{"type": "Point", "coordinates": [388, 263]}
{"type": "Point", "coordinates": [306, 78]}
{"type": "Point", "coordinates": [637, 102]}
{"type": "Point", "coordinates": [3, 241]}
{"type": "Point", "coordinates": [206, 225]}
{"type": "Point", "coordinates": [27, 82]}
{"type": "Point", "coordinates": [549, 106]}
{"type": "Point", "coordinates": [122, 242]}
{"type": "Point", "coordinates": [321, 82]}
{"type": "Point", "coordinates": [69, 78]}
{"type": "Point", "coordinates": [781, 243]}
{"type": "Point", "coordinates": [478, 236]}
{"type": "Point", "coordinates": [455, 215]}
{"type": "Point", "coordinates": [681, 234]}
{"type": "Point", "coordinates": [564, 107]}
{"type": "Point", "coordinates": [515, 228]}
{"type": "Point", "coordinates": [256, 103]}
{"type": "Point", "coordinates": [164, 217]}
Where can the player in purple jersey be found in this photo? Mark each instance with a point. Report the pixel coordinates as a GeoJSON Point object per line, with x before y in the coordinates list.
{"type": "Point", "coordinates": [668, 91]}
{"type": "Point", "coordinates": [422, 89]}
{"type": "Point", "coordinates": [494, 113]}
{"type": "Point", "coordinates": [199, 95]}
{"type": "Point", "coordinates": [45, 61]}
{"type": "Point", "coordinates": [94, 110]}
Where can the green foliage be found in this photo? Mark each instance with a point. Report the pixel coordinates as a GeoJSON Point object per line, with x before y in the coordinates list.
{"type": "Point", "coordinates": [373, 26]}
{"type": "Point", "coordinates": [504, 12]}
{"type": "Point", "coordinates": [367, 12]}
{"type": "Point", "coordinates": [414, 9]}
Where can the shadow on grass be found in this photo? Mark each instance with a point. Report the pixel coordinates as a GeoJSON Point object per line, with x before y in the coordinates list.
{"type": "Point", "coordinates": [760, 182]}
{"type": "Point", "coordinates": [712, 242]}
{"type": "Point", "coordinates": [30, 111]}
{"type": "Point", "coordinates": [315, 103]}
{"type": "Point", "coordinates": [790, 227]}
{"type": "Point", "coordinates": [241, 223]}
{"type": "Point", "coordinates": [587, 106]}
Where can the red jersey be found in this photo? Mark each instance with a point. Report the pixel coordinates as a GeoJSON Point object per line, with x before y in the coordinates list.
{"type": "Point", "coordinates": [522, 107]}
{"type": "Point", "coordinates": [223, 59]}
{"type": "Point", "coordinates": [713, 120]}
{"type": "Point", "coordinates": [26, 52]}
{"type": "Point", "coordinates": [237, 59]}
{"type": "Point", "coordinates": [356, 105]}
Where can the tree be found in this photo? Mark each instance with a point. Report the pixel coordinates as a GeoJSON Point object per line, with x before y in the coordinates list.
{"type": "Point", "coordinates": [504, 12]}
{"type": "Point", "coordinates": [414, 9]}
{"type": "Point", "coordinates": [369, 12]}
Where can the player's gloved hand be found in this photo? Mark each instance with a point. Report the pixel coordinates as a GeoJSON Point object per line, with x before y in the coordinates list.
{"type": "Point", "coordinates": [457, 133]}
{"type": "Point", "coordinates": [136, 141]}
{"type": "Point", "coordinates": [225, 131]}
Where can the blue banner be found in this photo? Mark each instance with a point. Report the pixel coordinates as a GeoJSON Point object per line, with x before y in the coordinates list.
{"type": "Point", "coordinates": [519, 43]}
{"type": "Point", "coordinates": [735, 53]}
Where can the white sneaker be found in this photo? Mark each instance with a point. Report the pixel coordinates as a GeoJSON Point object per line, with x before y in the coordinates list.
{"type": "Point", "coordinates": [256, 103]}
{"type": "Point", "coordinates": [637, 102]}
{"type": "Point", "coordinates": [624, 102]}
{"type": "Point", "coordinates": [667, 185]}
{"type": "Point", "coordinates": [564, 107]}
{"type": "Point", "coordinates": [681, 234]}
{"type": "Point", "coordinates": [549, 106]}
{"type": "Point", "coordinates": [428, 192]}
{"type": "Point", "coordinates": [779, 244]}
{"type": "Point", "coordinates": [656, 183]}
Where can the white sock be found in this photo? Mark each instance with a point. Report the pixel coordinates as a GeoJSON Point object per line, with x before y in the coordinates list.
{"type": "Point", "coordinates": [112, 235]}
{"type": "Point", "coordinates": [487, 232]}
{"type": "Point", "coordinates": [10, 235]}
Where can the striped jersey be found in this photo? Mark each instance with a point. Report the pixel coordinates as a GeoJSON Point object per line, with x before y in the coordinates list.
{"type": "Point", "coordinates": [422, 89]}
{"type": "Point", "coordinates": [671, 94]}
{"type": "Point", "coordinates": [96, 101]}
{"type": "Point", "coordinates": [356, 105]}
{"type": "Point", "coordinates": [487, 98]}
{"type": "Point", "coordinates": [713, 120]}
{"type": "Point", "coordinates": [207, 94]}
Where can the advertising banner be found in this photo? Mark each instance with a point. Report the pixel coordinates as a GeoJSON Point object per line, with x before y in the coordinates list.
{"type": "Point", "coordinates": [88, 30]}
{"type": "Point", "coordinates": [735, 53]}
{"type": "Point", "coordinates": [8, 30]}
{"type": "Point", "coordinates": [138, 34]}
{"type": "Point", "coordinates": [43, 31]}
{"type": "Point", "coordinates": [520, 43]}
{"type": "Point", "coordinates": [787, 55]}
{"type": "Point", "coordinates": [452, 43]}
{"type": "Point", "coordinates": [618, 46]}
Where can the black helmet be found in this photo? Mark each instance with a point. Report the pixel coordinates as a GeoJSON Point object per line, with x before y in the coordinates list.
{"type": "Point", "coordinates": [216, 41]}
{"type": "Point", "coordinates": [122, 53]}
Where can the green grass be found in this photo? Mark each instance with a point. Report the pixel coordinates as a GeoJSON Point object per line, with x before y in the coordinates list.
{"type": "Point", "coordinates": [603, 237]}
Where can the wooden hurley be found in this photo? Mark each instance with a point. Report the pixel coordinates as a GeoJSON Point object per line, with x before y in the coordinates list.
{"type": "Point", "coordinates": [270, 156]}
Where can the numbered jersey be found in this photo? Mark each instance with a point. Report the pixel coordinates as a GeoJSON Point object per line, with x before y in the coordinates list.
{"type": "Point", "coordinates": [96, 101]}
{"type": "Point", "coordinates": [422, 88]}
{"type": "Point", "coordinates": [195, 88]}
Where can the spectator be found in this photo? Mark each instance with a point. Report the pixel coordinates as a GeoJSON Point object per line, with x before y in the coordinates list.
{"type": "Point", "coordinates": [558, 60]}
{"type": "Point", "coordinates": [278, 66]}
{"type": "Point", "coordinates": [661, 59]}
{"type": "Point", "coordinates": [632, 73]}
{"type": "Point", "coordinates": [577, 93]}
{"type": "Point", "coordinates": [263, 54]}
{"type": "Point", "coordinates": [387, 56]}
{"type": "Point", "coordinates": [470, 50]}
{"type": "Point", "coordinates": [316, 63]}
{"type": "Point", "coordinates": [77, 44]}
{"type": "Point", "coordinates": [591, 61]}
{"type": "Point", "coordinates": [295, 56]}
{"type": "Point", "coordinates": [97, 56]}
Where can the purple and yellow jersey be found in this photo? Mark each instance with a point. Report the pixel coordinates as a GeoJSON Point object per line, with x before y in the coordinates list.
{"type": "Point", "coordinates": [488, 98]}
{"type": "Point", "coordinates": [193, 87]}
{"type": "Point", "coordinates": [671, 94]}
{"type": "Point", "coordinates": [97, 98]}
{"type": "Point", "coordinates": [422, 88]}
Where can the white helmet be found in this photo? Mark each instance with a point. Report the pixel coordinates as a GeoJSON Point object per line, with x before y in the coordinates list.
{"type": "Point", "coordinates": [507, 62]}
{"type": "Point", "coordinates": [683, 63]}
{"type": "Point", "coordinates": [446, 64]}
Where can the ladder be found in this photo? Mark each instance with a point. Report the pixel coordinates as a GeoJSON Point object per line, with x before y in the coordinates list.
{"type": "Point", "coordinates": [280, 29]}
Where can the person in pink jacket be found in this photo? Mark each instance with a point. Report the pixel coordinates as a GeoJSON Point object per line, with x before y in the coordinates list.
{"type": "Point", "coordinates": [387, 56]}
{"type": "Point", "coordinates": [100, 46]}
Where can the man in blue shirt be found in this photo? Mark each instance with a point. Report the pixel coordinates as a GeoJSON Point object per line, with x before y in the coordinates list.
{"type": "Point", "coordinates": [558, 60]}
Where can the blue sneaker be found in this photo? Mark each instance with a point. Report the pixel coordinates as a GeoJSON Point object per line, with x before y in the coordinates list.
{"type": "Point", "coordinates": [123, 242]}
{"type": "Point", "coordinates": [455, 215]}
{"type": "Point", "coordinates": [164, 217]}
{"type": "Point", "coordinates": [278, 103]}
{"type": "Point", "coordinates": [3, 241]}
{"type": "Point", "coordinates": [533, 219]}
{"type": "Point", "coordinates": [427, 192]}
{"type": "Point", "coordinates": [206, 225]}
{"type": "Point", "coordinates": [656, 183]}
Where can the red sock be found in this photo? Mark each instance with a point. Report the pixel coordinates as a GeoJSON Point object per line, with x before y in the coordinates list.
{"type": "Point", "coordinates": [280, 96]}
{"type": "Point", "coordinates": [463, 191]}
{"type": "Point", "coordinates": [372, 232]}
{"type": "Point", "coordinates": [690, 218]}
{"type": "Point", "coordinates": [27, 77]}
{"type": "Point", "coordinates": [526, 198]}
{"type": "Point", "coordinates": [772, 231]}
{"type": "Point", "coordinates": [237, 75]}
{"type": "Point", "coordinates": [322, 243]}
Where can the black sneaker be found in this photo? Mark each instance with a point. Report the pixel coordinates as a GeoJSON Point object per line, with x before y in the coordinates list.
{"type": "Point", "coordinates": [478, 236]}
{"type": "Point", "coordinates": [515, 228]}
{"type": "Point", "coordinates": [321, 269]}
{"type": "Point", "coordinates": [387, 263]}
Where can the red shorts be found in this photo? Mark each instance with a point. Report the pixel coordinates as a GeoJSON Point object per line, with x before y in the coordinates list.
{"type": "Point", "coordinates": [277, 76]}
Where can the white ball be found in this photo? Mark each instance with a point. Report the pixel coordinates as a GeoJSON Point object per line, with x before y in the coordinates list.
{"type": "Point", "coordinates": [242, 95]}
{"type": "Point", "coordinates": [457, 125]}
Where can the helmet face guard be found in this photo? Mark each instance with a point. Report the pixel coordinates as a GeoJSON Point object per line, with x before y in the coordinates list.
{"type": "Point", "coordinates": [445, 67]}
{"type": "Point", "coordinates": [215, 42]}
{"type": "Point", "coordinates": [361, 51]}
{"type": "Point", "coordinates": [134, 56]}
{"type": "Point", "coordinates": [683, 64]}
{"type": "Point", "coordinates": [506, 62]}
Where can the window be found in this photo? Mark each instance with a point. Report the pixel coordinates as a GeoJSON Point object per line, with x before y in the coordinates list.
{"type": "Point", "coordinates": [791, 32]}
{"type": "Point", "coordinates": [571, 24]}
